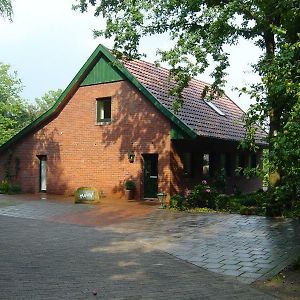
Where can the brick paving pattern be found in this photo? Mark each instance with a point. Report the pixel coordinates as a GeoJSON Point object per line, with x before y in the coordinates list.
{"type": "Point", "coordinates": [50, 260]}
{"type": "Point", "coordinates": [246, 247]}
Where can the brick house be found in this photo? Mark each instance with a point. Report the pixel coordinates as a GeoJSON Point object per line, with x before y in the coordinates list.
{"type": "Point", "coordinates": [114, 122]}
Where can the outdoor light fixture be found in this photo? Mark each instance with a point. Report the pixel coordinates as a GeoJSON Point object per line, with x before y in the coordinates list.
{"type": "Point", "coordinates": [162, 199]}
{"type": "Point", "coordinates": [131, 156]}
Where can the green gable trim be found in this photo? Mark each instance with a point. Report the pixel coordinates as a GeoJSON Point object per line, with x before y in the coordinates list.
{"type": "Point", "coordinates": [177, 133]}
{"type": "Point", "coordinates": [102, 72]}
{"type": "Point", "coordinates": [98, 53]}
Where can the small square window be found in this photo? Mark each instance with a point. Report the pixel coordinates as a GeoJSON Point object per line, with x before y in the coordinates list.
{"type": "Point", "coordinates": [103, 110]}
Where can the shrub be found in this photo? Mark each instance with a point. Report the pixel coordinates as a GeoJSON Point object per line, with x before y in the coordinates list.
{"type": "Point", "coordinates": [14, 189]}
{"type": "Point", "coordinates": [4, 187]}
{"type": "Point", "coordinates": [177, 201]}
{"type": "Point", "coordinates": [222, 201]}
{"type": "Point", "coordinates": [248, 200]}
{"type": "Point", "coordinates": [129, 185]}
{"type": "Point", "coordinates": [248, 210]}
{"type": "Point", "coordinates": [202, 195]}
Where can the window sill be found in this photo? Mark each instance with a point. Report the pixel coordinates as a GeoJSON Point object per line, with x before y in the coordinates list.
{"type": "Point", "coordinates": [103, 123]}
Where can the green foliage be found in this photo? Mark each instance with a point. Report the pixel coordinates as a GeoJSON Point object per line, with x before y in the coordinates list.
{"type": "Point", "coordinates": [202, 195]}
{"type": "Point", "coordinates": [16, 112]}
{"type": "Point", "coordinates": [9, 188]}
{"type": "Point", "coordinates": [4, 187]}
{"type": "Point", "coordinates": [248, 210]}
{"type": "Point", "coordinates": [177, 202]}
{"type": "Point", "coordinates": [43, 103]}
{"type": "Point", "coordinates": [222, 202]}
{"type": "Point", "coordinates": [219, 181]}
{"type": "Point", "coordinates": [130, 185]}
{"type": "Point", "coordinates": [6, 10]}
{"type": "Point", "coordinates": [13, 110]}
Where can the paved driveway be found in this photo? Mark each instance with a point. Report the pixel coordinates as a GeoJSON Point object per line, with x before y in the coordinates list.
{"type": "Point", "coordinates": [124, 249]}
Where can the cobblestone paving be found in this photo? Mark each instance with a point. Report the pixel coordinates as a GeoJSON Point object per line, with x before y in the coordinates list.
{"type": "Point", "coordinates": [42, 210]}
{"type": "Point", "coordinates": [247, 247]}
{"type": "Point", "coordinates": [50, 260]}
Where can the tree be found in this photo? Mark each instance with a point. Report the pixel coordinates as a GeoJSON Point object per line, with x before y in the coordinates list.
{"type": "Point", "coordinates": [200, 29]}
{"type": "Point", "coordinates": [43, 103]}
{"type": "Point", "coordinates": [6, 10]}
{"type": "Point", "coordinates": [13, 110]}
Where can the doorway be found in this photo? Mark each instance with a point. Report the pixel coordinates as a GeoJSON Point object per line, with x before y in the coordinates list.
{"type": "Point", "coordinates": [150, 175]}
{"type": "Point", "coordinates": [43, 173]}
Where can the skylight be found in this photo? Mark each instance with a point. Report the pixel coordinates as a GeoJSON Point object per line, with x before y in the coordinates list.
{"type": "Point", "coordinates": [215, 108]}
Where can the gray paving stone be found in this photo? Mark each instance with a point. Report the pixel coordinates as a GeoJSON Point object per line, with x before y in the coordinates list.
{"type": "Point", "coordinates": [84, 259]}
{"type": "Point", "coordinates": [250, 269]}
{"type": "Point", "coordinates": [231, 267]}
{"type": "Point", "coordinates": [245, 241]}
{"type": "Point", "coordinates": [232, 272]}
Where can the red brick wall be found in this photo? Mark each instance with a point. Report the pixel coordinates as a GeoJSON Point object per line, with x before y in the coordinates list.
{"type": "Point", "coordinates": [82, 153]}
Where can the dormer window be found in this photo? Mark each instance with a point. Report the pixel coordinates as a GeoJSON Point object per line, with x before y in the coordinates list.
{"type": "Point", "coordinates": [103, 110]}
{"type": "Point", "coordinates": [214, 107]}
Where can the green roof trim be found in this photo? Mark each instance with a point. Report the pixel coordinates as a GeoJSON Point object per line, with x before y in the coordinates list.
{"type": "Point", "coordinates": [178, 134]}
{"type": "Point", "coordinates": [99, 53]}
{"type": "Point", "coordinates": [102, 72]}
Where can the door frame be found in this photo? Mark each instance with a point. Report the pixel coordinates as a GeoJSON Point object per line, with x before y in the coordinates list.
{"type": "Point", "coordinates": [42, 163]}
{"type": "Point", "coordinates": [153, 156]}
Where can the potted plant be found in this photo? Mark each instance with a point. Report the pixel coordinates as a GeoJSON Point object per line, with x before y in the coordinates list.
{"type": "Point", "coordinates": [129, 189]}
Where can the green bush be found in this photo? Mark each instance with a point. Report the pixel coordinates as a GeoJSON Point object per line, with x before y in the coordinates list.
{"type": "Point", "coordinates": [202, 195]}
{"type": "Point", "coordinates": [4, 187]}
{"type": "Point", "coordinates": [129, 185]}
{"type": "Point", "coordinates": [248, 210]}
{"type": "Point", "coordinates": [248, 200]}
{"type": "Point", "coordinates": [14, 189]}
{"type": "Point", "coordinates": [9, 188]}
{"type": "Point", "coordinates": [222, 201]}
{"type": "Point", "coordinates": [178, 202]}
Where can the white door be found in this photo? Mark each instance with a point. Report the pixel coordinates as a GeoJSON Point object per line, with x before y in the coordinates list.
{"type": "Point", "coordinates": [43, 174]}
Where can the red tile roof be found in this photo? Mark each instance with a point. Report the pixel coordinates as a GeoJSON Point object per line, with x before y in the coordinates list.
{"type": "Point", "coordinates": [195, 112]}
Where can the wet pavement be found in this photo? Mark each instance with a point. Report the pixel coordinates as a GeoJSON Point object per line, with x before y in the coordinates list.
{"type": "Point", "coordinates": [246, 247]}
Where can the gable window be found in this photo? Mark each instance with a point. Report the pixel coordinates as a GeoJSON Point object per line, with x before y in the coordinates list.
{"type": "Point", "coordinates": [214, 107]}
{"type": "Point", "coordinates": [187, 164]}
{"type": "Point", "coordinates": [103, 110]}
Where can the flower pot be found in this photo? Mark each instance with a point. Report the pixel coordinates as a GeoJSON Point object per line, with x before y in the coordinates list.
{"type": "Point", "coordinates": [129, 194]}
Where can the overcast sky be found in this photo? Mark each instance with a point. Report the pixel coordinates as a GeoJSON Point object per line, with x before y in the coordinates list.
{"type": "Point", "coordinates": [48, 42]}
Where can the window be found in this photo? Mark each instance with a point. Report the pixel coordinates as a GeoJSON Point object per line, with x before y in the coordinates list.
{"type": "Point", "coordinates": [187, 164]}
{"type": "Point", "coordinates": [214, 107]}
{"type": "Point", "coordinates": [103, 110]}
{"type": "Point", "coordinates": [205, 168]}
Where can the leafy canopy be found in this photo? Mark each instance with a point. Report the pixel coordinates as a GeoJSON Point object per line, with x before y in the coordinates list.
{"type": "Point", "coordinates": [13, 110]}
{"type": "Point", "coordinates": [43, 103]}
{"type": "Point", "coordinates": [6, 10]}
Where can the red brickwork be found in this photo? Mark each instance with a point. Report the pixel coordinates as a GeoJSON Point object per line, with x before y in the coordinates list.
{"type": "Point", "coordinates": [82, 153]}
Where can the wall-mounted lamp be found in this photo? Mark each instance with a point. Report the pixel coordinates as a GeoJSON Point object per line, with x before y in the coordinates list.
{"type": "Point", "coordinates": [131, 156]}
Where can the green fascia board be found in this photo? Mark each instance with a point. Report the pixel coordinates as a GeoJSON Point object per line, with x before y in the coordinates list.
{"type": "Point", "coordinates": [177, 133]}
{"type": "Point", "coordinates": [79, 78]}
{"type": "Point", "coordinates": [102, 72]}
